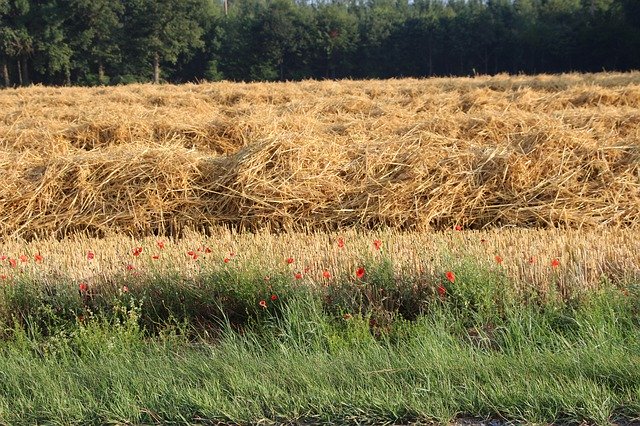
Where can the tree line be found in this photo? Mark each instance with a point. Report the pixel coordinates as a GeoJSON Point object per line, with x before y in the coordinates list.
{"type": "Point", "coordinates": [92, 42]}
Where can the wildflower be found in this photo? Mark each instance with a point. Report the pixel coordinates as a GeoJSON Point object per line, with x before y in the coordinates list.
{"type": "Point", "coordinates": [38, 257]}
{"type": "Point", "coordinates": [451, 276]}
{"type": "Point", "coordinates": [274, 297]}
{"type": "Point", "coordinates": [130, 267]}
{"type": "Point", "coordinates": [555, 263]}
{"type": "Point", "coordinates": [306, 269]}
{"type": "Point", "coordinates": [83, 287]}
{"type": "Point", "coordinates": [341, 242]}
{"type": "Point", "coordinates": [125, 289]}
{"type": "Point", "coordinates": [90, 255]}
{"type": "Point", "coordinates": [231, 254]}
{"type": "Point", "coordinates": [263, 304]}
{"type": "Point", "coordinates": [137, 251]}
{"type": "Point", "coordinates": [3, 277]}
{"type": "Point", "coordinates": [442, 290]}
{"type": "Point", "coordinates": [498, 259]}
{"type": "Point", "coordinates": [226, 260]}
{"type": "Point", "coordinates": [13, 263]}
{"type": "Point", "coordinates": [532, 260]}
{"type": "Point", "coordinates": [207, 250]}
{"type": "Point", "coordinates": [160, 244]}
{"type": "Point", "coordinates": [24, 258]}
{"type": "Point", "coordinates": [155, 257]}
{"type": "Point", "coordinates": [360, 273]}
{"type": "Point", "coordinates": [482, 240]}
{"type": "Point", "coordinates": [298, 275]}
{"type": "Point", "coordinates": [458, 228]}
{"type": "Point", "coordinates": [326, 274]}
{"type": "Point", "coordinates": [3, 257]}
{"type": "Point", "coordinates": [377, 244]}
{"type": "Point", "coordinates": [290, 260]}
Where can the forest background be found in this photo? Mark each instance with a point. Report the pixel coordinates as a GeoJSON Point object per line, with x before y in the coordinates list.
{"type": "Point", "coordinates": [92, 42]}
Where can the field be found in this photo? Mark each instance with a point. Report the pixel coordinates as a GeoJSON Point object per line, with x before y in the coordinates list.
{"type": "Point", "coordinates": [337, 252]}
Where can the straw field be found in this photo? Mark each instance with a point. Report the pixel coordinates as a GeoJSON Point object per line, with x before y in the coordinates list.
{"type": "Point", "coordinates": [541, 152]}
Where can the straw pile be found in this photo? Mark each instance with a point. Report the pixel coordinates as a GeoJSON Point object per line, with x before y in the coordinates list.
{"type": "Point", "coordinates": [542, 151]}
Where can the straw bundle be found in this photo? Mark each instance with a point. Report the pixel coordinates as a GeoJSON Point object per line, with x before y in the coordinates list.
{"type": "Point", "coordinates": [541, 151]}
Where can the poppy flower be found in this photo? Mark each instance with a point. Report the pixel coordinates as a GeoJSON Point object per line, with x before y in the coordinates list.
{"type": "Point", "coordinates": [360, 273]}
{"type": "Point", "coordinates": [290, 260]}
{"type": "Point", "coordinates": [326, 274]}
{"type": "Point", "coordinates": [207, 250]}
{"type": "Point", "coordinates": [298, 275]}
{"type": "Point", "coordinates": [3, 257]}
{"type": "Point", "coordinates": [306, 269]}
{"type": "Point", "coordinates": [498, 259]}
{"type": "Point", "coordinates": [38, 257]}
{"type": "Point", "coordinates": [458, 228]}
{"type": "Point", "coordinates": [442, 291]}
{"type": "Point", "coordinates": [532, 259]}
{"type": "Point", "coordinates": [137, 251]}
{"type": "Point", "coordinates": [24, 258]}
{"type": "Point", "coordinates": [482, 240]}
{"type": "Point", "coordinates": [160, 244]}
{"type": "Point", "coordinates": [451, 276]}
{"type": "Point", "coordinates": [125, 289]}
{"type": "Point", "coordinates": [90, 255]}
{"type": "Point", "coordinates": [263, 304]}
{"type": "Point", "coordinates": [341, 242]}
{"type": "Point", "coordinates": [13, 263]}
{"type": "Point", "coordinates": [231, 254]}
{"type": "Point", "coordinates": [377, 244]}
{"type": "Point", "coordinates": [3, 277]}
{"type": "Point", "coordinates": [130, 267]}
{"type": "Point", "coordinates": [274, 297]}
{"type": "Point", "coordinates": [226, 260]}
{"type": "Point", "coordinates": [155, 256]}
{"type": "Point", "coordinates": [191, 253]}
{"type": "Point", "coordinates": [555, 263]}
{"type": "Point", "coordinates": [83, 287]}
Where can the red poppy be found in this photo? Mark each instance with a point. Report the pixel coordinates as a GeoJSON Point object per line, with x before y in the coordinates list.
{"type": "Point", "coordinates": [130, 267]}
{"type": "Point", "coordinates": [274, 297]}
{"type": "Point", "coordinates": [326, 274]}
{"type": "Point", "coordinates": [90, 255]}
{"type": "Point", "coordinates": [532, 259]}
{"type": "Point", "coordinates": [377, 244]}
{"type": "Point", "coordinates": [207, 250]}
{"type": "Point", "coordinates": [231, 254]}
{"type": "Point", "coordinates": [263, 304]}
{"type": "Point", "coordinates": [555, 263]}
{"type": "Point", "coordinates": [290, 260]}
{"type": "Point", "coordinates": [13, 263]}
{"type": "Point", "coordinates": [482, 240]}
{"type": "Point", "coordinates": [83, 287]}
{"type": "Point", "coordinates": [458, 228]}
{"type": "Point", "coordinates": [451, 276]}
{"type": "Point", "coordinates": [24, 258]}
{"type": "Point", "coordinates": [3, 257]}
{"type": "Point", "coordinates": [298, 275]}
{"type": "Point", "coordinates": [125, 289]}
{"type": "Point", "coordinates": [498, 259]}
{"type": "Point", "coordinates": [442, 291]}
{"type": "Point", "coordinates": [341, 242]}
{"type": "Point", "coordinates": [160, 244]}
{"type": "Point", "coordinates": [226, 260]}
{"type": "Point", "coordinates": [3, 277]}
{"type": "Point", "coordinates": [38, 257]}
{"type": "Point", "coordinates": [306, 269]}
{"type": "Point", "coordinates": [360, 273]}
{"type": "Point", "coordinates": [191, 253]}
{"type": "Point", "coordinates": [137, 251]}
{"type": "Point", "coordinates": [155, 256]}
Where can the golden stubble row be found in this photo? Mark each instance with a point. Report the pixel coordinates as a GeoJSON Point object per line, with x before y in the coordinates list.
{"type": "Point", "coordinates": [585, 259]}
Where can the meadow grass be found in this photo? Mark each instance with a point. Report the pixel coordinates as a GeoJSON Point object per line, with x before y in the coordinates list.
{"type": "Point", "coordinates": [380, 348]}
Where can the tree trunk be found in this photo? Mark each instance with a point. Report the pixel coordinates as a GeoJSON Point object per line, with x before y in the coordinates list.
{"type": "Point", "coordinates": [5, 72]}
{"type": "Point", "coordinates": [100, 73]}
{"type": "Point", "coordinates": [156, 68]}
{"type": "Point", "coordinates": [19, 66]}
{"type": "Point", "coordinates": [25, 71]}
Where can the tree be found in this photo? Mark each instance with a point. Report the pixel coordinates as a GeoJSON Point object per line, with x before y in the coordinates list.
{"type": "Point", "coordinates": [95, 25]}
{"type": "Point", "coordinates": [15, 41]}
{"type": "Point", "coordinates": [161, 30]}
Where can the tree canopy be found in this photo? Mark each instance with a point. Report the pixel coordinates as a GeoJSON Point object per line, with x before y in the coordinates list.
{"type": "Point", "coordinates": [90, 42]}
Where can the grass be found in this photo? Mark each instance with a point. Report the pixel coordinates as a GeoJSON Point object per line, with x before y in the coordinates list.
{"type": "Point", "coordinates": [371, 350]}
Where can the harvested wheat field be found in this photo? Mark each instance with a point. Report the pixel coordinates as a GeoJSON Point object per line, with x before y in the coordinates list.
{"type": "Point", "coordinates": [543, 151]}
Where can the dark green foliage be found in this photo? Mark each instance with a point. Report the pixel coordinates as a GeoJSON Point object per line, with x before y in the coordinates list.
{"type": "Point", "coordinates": [99, 42]}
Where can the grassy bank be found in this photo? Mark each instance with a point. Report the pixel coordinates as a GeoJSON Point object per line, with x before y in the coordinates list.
{"type": "Point", "coordinates": [370, 344]}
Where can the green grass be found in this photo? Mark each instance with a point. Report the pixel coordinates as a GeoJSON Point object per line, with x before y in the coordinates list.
{"type": "Point", "coordinates": [380, 349]}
